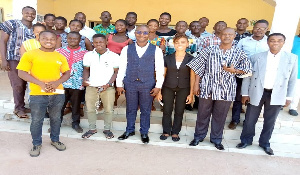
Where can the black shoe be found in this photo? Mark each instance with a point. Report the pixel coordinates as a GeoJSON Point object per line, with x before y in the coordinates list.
{"type": "Point", "coordinates": [219, 146]}
{"type": "Point", "coordinates": [232, 125]}
{"type": "Point", "coordinates": [77, 128]}
{"type": "Point", "coordinates": [242, 145]}
{"type": "Point", "coordinates": [163, 137]}
{"type": "Point", "coordinates": [195, 142]}
{"type": "Point", "coordinates": [293, 112]}
{"type": "Point", "coordinates": [189, 107]}
{"type": "Point", "coordinates": [145, 138]}
{"type": "Point", "coordinates": [176, 139]}
{"type": "Point", "coordinates": [125, 135]}
{"type": "Point", "coordinates": [267, 150]}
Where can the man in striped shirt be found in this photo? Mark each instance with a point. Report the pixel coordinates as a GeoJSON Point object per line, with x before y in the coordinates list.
{"type": "Point", "coordinates": [13, 33]}
{"type": "Point", "coordinates": [73, 87]}
{"type": "Point", "coordinates": [216, 67]}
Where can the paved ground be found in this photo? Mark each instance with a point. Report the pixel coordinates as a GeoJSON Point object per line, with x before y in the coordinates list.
{"type": "Point", "coordinates": [102, 157]}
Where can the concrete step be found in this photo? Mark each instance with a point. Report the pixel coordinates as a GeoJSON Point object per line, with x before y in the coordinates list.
{"type": "Point", "coordinates": [285, 141]}
{"type": "Point", "coordinates": [119, 120]}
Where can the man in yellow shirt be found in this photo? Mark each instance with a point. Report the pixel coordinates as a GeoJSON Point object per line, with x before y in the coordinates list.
{"type": "Point", "coordinates": [46, 70]}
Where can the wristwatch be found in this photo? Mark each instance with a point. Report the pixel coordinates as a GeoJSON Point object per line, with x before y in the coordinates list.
{"type": "Point", "coordinates": [110, 84]}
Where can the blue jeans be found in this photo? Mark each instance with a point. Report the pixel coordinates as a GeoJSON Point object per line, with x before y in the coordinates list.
{"type": "Point", "coordinates": [38, 105]}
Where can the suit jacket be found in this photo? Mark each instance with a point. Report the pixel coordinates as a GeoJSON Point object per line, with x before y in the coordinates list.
{"type": "Point", "coordinates": [285, 82]}
{"type": "Point", "coordinates": [177, 77]}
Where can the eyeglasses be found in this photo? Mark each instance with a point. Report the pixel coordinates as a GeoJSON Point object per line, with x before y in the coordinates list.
{"type": "Point", "coordinates": [259, 28]}
{"type": "Point", "coordinates": [142, 32]}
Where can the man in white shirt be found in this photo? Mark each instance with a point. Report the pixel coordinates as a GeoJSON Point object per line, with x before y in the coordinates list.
{"type": "Point", "coordinates": [100, 71]}
{"type": "Point", "coordinates": [250, 45]}
{"type": "Point", "coordinates": [131, 18]}
{"type": "Point", "coordinates": [141, 71]}
{"type": "Point", "coordinates": [272, 85]}
{"type": "Point", "coordinates": [85, 31]}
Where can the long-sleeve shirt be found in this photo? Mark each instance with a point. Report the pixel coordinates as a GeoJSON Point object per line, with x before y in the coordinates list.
{"type": "Point", "coordinates": [159, 64]}
{"type": "Point", "coordinates": [215, 81]}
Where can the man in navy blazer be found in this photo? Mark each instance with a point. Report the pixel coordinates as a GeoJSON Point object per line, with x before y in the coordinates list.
{"type": "Point", "coordinates": [271, 85]}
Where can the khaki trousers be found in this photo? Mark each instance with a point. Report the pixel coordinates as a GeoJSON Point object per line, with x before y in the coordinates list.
{"type": "Point", "coordinates": [107, 98]}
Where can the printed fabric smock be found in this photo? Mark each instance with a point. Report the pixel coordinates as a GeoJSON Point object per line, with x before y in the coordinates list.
{"type": "Point", "coordinates": [215, 81]}
{"type": "Point", "coordinates": [18, 33]}
{"type": "Point", "coordinates": [75, 61]}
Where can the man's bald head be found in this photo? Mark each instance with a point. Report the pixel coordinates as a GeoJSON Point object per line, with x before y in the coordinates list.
{"type": "Point", "coordinates": [228, 29]}
{"type": "Point", "coordinates": [227, 35]}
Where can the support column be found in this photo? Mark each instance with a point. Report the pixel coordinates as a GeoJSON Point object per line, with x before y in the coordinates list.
{"type": "Point", "coordinates": [285, 21]}
{"type": "Point", "coordinates": [18, 6]}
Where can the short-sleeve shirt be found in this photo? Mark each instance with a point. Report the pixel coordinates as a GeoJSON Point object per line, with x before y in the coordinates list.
{"type": "Point", "coordinates": [172, 32]}
{"type": "Point", "coordinates": [99, 29]}
{"type": "Point", "coordinates": [31, 44]}
{"type": "Point", "coordinates": [101, 66]}
{"type": "Point", "coordinates": [44, 66]}
{"type": "Point", "coordinates": [75, 61]}
{"type": "Point", "coordinates": [211, 40]}
{"type": "Point", "coordinates": [64, 41]}
{"type": "Point", "coordinates": [18, 33]}
{"type": "Point", "coordinates": [238, 36]}
{"type": "Point", "coordinates": [159, 41]}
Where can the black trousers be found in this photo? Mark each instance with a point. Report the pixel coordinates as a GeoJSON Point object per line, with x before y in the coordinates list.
{"type": "Point", "coordinates": [218, 110]}
{"type": "Point", "coordinates": [237, 104]}
{"type": "Point", "coordinates": [270, 115]}
{"type": "Point", "coordinates": [169, 95]}
{"type": "Point", "coordinates": [75, 97]}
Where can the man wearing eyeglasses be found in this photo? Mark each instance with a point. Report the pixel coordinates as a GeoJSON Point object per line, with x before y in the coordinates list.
{"type": "Point", "coordinates": [250, 45]}
{"type": "Point", "coordinates": [140, 66]}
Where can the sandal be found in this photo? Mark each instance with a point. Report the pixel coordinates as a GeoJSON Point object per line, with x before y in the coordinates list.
{"type": "Point", "coordinates": [27, 110]}
{"type": "Point", "coordinates": [21, 114]}
{"type": "Point", "coordinates": [108, 134]}
{"type": "Point", "coordinates": [81, 112]}
{"type": "Point", "coordinates": [67, 110]}
{"type": "Point", "coordinates": [175, 139]}
{"type": "Point", "coordinates": [88, 134]}
{"type": "Point", "coordinates": [163, 136]}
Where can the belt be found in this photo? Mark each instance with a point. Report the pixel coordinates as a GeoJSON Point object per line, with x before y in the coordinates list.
{"type": "Point", "coordinates": [268, 90]}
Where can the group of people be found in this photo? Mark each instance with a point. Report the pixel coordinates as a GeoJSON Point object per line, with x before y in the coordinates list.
{"type": "Point", "coordinates": [188, 65]}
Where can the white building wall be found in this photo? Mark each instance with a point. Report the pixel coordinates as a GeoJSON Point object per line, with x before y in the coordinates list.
{"type": "Point", "coordinates": [19, 4]}
{"type": "Point", "coordinates": [285, 21]}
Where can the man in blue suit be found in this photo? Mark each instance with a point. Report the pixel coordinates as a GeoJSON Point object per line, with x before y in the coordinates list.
{"type": "Point", "coordinates": [271, 85]}
{"type": "Point", "coordinates": [141, 71]}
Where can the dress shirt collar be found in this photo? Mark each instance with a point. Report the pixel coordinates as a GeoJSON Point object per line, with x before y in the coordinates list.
{"type": "Point", "coordinates": [273, 55]}
{"type": "Point", "coordinates": [138, 47]}
{"type": "Point", "coordinates": [263, 39]}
